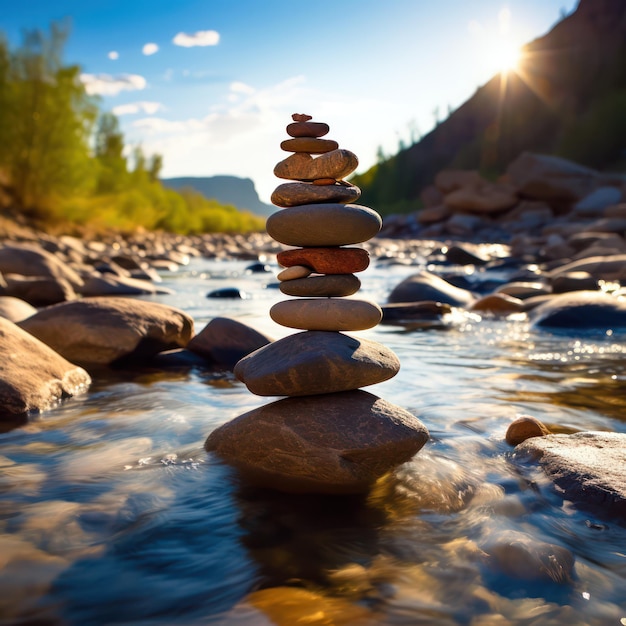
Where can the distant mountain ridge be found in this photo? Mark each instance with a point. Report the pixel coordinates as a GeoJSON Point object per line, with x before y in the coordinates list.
{"type": "Point", "coordinates": [568, 99]}
{"type": "Point", "coordinates": [238, 192]}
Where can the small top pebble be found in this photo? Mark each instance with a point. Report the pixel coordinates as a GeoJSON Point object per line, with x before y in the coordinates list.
{"type": "Point", "coordinates": [301, 117]}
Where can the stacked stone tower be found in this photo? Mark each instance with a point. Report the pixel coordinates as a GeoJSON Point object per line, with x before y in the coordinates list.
{"type": "Point", "coordinates": [328, 435]}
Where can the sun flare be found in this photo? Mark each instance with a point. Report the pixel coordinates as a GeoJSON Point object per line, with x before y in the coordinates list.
{"type": "Point", "coordinates": [505, 56]}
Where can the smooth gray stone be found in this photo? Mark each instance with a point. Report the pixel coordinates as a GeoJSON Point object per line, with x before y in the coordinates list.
{"type": "Point", "coordinates": [333, 443]}
{"type": "Point", "coordinates": [296, 194]}
{"type": "Point", "coordinates": [324, 225]}
{"type": "Point", "coordinates": [316, 362]}
{"type": "Point", "coordinates": [330, 285]}
{"type": "Point", "coordinates": [335, 314]}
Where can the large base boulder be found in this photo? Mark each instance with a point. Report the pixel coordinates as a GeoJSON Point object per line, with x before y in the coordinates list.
{"type": "Point", "coordinates": [333, 443]}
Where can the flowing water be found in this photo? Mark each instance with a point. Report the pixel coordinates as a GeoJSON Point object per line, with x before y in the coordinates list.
{"type": "Point", "coordinates": [111, 512]}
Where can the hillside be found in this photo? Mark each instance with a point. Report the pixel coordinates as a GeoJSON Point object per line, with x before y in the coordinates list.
{"type": "Point", "coordinates": [568, 98]}
{"type": "Point", "coordinates": [230, 190]}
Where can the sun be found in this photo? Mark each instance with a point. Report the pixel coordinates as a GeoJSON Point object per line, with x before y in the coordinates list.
{"type": "Point", "coordinates": [506, 56]}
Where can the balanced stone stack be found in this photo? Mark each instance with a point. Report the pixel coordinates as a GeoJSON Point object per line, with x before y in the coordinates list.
{"type": "Point", "coordinates": [328, 435]}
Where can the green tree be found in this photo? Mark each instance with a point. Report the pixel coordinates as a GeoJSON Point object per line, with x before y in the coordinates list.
{"type": "Point", "coordinates": [47, 121]}
{"type": "Point", "coordinates": [109, 152]}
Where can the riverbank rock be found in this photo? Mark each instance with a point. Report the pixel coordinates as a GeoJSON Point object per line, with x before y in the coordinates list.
{"type": "Point", "coordinates": [225, 341]}
{"type": "Point", "coordinates": [428, 286]}
{"type": "Point", "coordinates": [581, 309]}
{"type": "Point", "coordinates": [589, 468]}
{"type": "Point", "coordinates": [33, 377]}
{"type": "Point", "coordinates": [15, 309]}
{"type": "Point", "coordinates": [316, 362]}
{"type": "Point", "coordinates": [103, 330]}
{"type": "Point", "coordinates": [32, 260]}
{"type": "Point", "coordinates": [331, 443]}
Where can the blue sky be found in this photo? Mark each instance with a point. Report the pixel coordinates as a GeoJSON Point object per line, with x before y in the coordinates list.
{"type": "Point", "coordinates": [211, 84]}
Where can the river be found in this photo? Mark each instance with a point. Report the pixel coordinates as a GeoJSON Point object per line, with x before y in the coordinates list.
{"type": "Point", "coordinates": [111, 512]}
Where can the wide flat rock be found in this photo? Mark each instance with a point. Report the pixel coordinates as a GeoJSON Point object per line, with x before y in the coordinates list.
{"type": "Point", "coordinates": [316, 362]}
{"type": "Point", "coordinates": [326, 260]}
{"type": "Point", "coordinates": [333, 314]}
{"type": "Point", "coordinates": [104, 330]}
{"type": "Point", "coordinates": [295, 194]}
{"type": "Point", "coordinates": [330, 285]}
{"type": "Point", "coordinates": [589, 467]}
{"type": "Point", "coordinates": [33, 377]}
{"type": "Point", "coordinates": [333, 443]}
{"type": "Point", "coordinates": [317, 225]}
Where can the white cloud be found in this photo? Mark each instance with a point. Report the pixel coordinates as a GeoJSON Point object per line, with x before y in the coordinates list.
{"type": "Point", "coordinates": [107, 85]}
{"type": "Point", "coordinates": [150, 48]}
{"type": "Point", "coordinates": [200, 38]}
{"type": "Point", "coordinates": [113, 55]}
{"type": "Point", "coordinates": [150, 108]}
{"type": "Point", "coordinates": [239, 87]}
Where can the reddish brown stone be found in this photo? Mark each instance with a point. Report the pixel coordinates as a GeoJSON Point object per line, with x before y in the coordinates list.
{"type": "Point", "coordinates": [309, 144]}
{"type": "Point", "coordinates": [301, 117]}
{"type": "Point", "coordinates": [523, 428]}
{"type": "Point", "coordinates": [307, 129]}
{"type": "Point", "coordinates": [326, 260]}
{"type": "Point", "coordinates": [324, 181]}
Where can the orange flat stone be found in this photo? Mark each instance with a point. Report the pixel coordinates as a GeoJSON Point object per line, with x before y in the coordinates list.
{"type": "Point", "coordinates": [326, 260]}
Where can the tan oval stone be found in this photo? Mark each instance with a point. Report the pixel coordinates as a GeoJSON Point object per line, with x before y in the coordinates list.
{"type": "Point", "coordinates": [294, 272]}
{"type": "Point", "coordinates": [296, 194]}
{"type": "Point", "coordinates": [316, 362]}
{"type": "Point", "coordinates": [324, 225]}
{"type": "Point", "coordinates": [498, 303]}
{"type": "Point", "coordinates": [307, 129]}
{"type": "Point", "coordinates": [309, 144]}
{"type": "Point", "coordinates": [333, 285]}
{"type": "Point", "coordinates": [523, 428]}
{"type": "Point", "coordinates": [335, 314]}
{"type": "Point", "coordinates": [326, 260]}
{"type": "Point", "coordinates": [335, 164]}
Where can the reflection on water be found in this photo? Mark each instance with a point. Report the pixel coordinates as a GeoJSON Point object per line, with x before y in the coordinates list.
{"type": "Point", "coordinates": [111, 512]}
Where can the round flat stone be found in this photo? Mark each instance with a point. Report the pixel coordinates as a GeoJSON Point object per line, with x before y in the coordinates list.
{"type": "Point", "coordinates": [295, 194]}
{"type": "Point", "coordinates": [326, 314]}
{"type": "Point", "coordinates": [316, 362]}
{"type": "Point", "coordinates": [335, 164]}
{"type": "Point", "coordinates": [294, 272]}
{"type": "Point", "coordinates": [307, 129]}
{"type": "Point", "coordinates": [323, 225]}
{"type": "Point", "coordinates": [335, 443]}
{"type": "Point", "coordinates": [329, 286]}
{"type": "Point", "coordinates": [326, 260]}
{"type": "Point", "coordinates": [309, 144]}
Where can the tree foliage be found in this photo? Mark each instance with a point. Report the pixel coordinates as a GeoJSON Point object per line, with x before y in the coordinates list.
{"type": "Point", "coordinates": [66, 160]}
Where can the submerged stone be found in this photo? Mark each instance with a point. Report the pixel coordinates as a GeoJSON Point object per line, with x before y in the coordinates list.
{"type": "Point", "coordinates": [334, 443]}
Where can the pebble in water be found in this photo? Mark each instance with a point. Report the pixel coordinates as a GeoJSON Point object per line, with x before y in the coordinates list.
{"type": "Point", "coordinates": [327, 436]}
